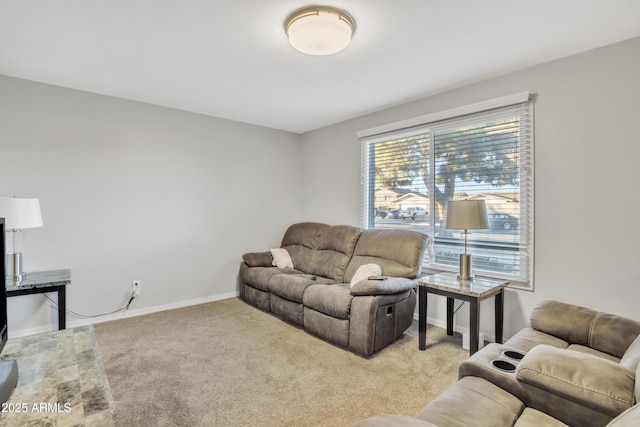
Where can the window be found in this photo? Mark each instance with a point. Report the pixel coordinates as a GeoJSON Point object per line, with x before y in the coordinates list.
{"type": "Point", "coordinates": [411, 170]}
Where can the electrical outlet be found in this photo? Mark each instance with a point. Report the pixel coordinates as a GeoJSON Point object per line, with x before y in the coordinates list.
{"type": "Point", "coordinates": [136, 288]}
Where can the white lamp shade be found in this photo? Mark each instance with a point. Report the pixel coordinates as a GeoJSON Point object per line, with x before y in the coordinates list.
{"type": "Point", "coordinates": [466, 215]}
{"type": "Point", "coordinates": [319, 30]}
{"type": "Point", "coordinates": [20, 212]}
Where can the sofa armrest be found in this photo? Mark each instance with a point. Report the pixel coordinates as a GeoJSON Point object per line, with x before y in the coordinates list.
{"type": "Point", "coordinates": [388, 286]}
{"type": "Point", "coordinates": [258, 259]}
{"type": "Point", "coordinates": [588, 380]}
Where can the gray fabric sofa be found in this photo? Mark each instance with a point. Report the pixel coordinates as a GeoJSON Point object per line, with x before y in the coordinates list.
{"type": "Point", "coordinates": [573, 366]}
{"type": "Point", "coordinates": [317, 294]}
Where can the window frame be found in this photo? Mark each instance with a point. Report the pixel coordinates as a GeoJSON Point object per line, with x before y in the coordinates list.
{"type": "Point", "coordinates": [427, 123]}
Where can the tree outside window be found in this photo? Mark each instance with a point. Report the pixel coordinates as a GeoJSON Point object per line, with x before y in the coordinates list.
{"type": "Point", "coordinates": [410, 178]}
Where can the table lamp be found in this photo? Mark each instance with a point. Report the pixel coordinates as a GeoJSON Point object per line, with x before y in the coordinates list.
{"type": "Point", "coordinates": [466, 215]}
{"type": "Point", "coordinates": [19, 213]}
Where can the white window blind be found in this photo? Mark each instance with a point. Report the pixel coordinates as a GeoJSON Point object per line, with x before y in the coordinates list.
{"type": "Point", "coordinates": [410, 173]}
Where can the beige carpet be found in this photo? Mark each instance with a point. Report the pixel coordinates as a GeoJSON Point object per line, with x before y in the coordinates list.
{"type": "Point", "coordinates": [229, 364]}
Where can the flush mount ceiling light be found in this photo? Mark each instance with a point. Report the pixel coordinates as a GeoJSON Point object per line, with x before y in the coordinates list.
{"type": "Point", "coordinates": [319, 30]}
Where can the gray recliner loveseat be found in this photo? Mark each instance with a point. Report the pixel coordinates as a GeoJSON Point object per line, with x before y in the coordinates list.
{"type": "Point", "coordinates": [317, 292]}
{"type": "Point", "coordinates": [572, 366]}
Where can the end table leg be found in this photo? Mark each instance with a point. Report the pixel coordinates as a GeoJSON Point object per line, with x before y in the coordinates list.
{"type": "Point", "coordinates": [450, 302]}
{"type": "Point", "coordinates": [499, 315]}
{"type": "Point", "coordinates": [422, 318]}
{"type": "Point", "coordinates": [62, 307]}
{"type": "Point", "coordinates": [474, 326]}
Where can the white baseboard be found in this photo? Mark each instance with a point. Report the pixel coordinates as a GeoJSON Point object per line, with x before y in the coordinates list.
{"type": "Point", "coordinates": [116, 316]}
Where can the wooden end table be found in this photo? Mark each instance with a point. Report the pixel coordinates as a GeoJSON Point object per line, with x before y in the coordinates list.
{"type": "Point", "coordinates": [448, 285]}
{"type": "Point", "coordinates": [41, 282]}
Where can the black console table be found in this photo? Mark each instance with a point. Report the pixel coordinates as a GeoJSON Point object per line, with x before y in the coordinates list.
{"type": "Point", "coordinates": [41, 282]}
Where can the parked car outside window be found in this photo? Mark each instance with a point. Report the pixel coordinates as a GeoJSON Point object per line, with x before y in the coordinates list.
{"type": "Point", "coordinates": [413, 212]}
{"type": "Point", "coordinates": [394, 214]}
{"type": "Point", "coordinates": [503, 221]}
{"type": "Point", "coordinates": [382, 211]}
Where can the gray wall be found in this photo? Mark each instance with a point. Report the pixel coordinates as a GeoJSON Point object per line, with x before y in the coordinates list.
{"type": "Point", "coordinates": [586, 154]}
{"type": "Point", "coordinates": [134, 191]}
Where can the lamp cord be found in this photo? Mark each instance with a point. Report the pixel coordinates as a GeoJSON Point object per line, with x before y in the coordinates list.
{"type": "Point", "coordinates": [87, 316]}
{"type": "Point", "coordinates": [459, 307]}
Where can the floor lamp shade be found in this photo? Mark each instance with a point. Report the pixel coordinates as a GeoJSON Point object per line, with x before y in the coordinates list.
{"type": "Point", "coordinates": [466, 215]}
{"type": "Point", "coordinates": [19, 213]}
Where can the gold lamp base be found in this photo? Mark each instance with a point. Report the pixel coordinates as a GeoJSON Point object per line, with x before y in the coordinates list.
{"type": "Point", "coordinates": [465, 267]}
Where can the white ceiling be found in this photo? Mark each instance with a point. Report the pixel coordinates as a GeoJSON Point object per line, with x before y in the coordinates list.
{"type": "Point", "coordinates": [231, 59]}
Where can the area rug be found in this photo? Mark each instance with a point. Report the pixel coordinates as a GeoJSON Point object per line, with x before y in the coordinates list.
{"type": "Point", "coordinates": [61, 381]}
{"type": "Point", "coordinates": [226, 363]}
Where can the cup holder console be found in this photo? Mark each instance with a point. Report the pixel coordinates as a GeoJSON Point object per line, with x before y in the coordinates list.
{"type": "Point", "coordinates": [507, 366]}
{"type": "Point", "coordinates": [513, 354]}
{"type": "Point", "coordinates": [498, 364]}
{"type": "Point", "coordinates": [503, 365]}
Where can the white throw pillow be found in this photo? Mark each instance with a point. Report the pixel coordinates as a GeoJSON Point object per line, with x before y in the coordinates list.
{"type": "Point", "coordinates": [281, 258]}
{"type": "Point", "coordinates": [364, 272]}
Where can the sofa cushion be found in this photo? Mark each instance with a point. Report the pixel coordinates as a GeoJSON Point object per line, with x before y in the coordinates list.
{"type": "Point", "coordinates": [293, 286]}
{"type": "Point", "coordinates": [399, 253]}
{"type": "Point", "coordinates": [631, 357]}
{"type": "Point", "coordinates": [301, 241]}
{"type": "Point", "coordinates": [334, 300]}
{"type": "Point", "coordinates": [593, 351]}
{"type": "Point", "coordinates": [589, 380]}
{"type": "Point", "coordinates": [305, 234]}
{"type": "Point", "coordinates": [321, 249]}
{"type": "Point", "coordinates": [473, 402]}
{"type": "Point", "coordinates": [533, 418]}
{"type": "Point", "coordinates": [579, 325]}
{"type": "Point", "coordinates": [613, 334]}
{"type": "Point", "coordinates": [339, 238]}
{"type": "Point", "coordinates": [527, 338]}
{"type": "Point", "coordinates": [565, 321]}
{"type": "Point", "coordinates": [334, 252]}
{"type": "Point", "coordinates": [259, 277]}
